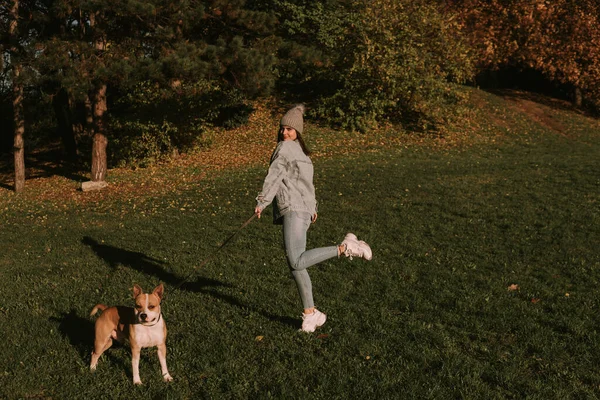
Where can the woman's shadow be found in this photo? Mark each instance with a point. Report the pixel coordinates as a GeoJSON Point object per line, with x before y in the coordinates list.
{"type": "Point", "coordinates": [115, 256]}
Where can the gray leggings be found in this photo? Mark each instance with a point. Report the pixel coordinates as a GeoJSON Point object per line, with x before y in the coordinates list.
{"type": "Point", "coordinates": [299, 259]}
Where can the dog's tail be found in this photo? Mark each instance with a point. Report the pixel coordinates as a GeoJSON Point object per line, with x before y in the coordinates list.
{"type": "Point", "coordinates": [100, 307]}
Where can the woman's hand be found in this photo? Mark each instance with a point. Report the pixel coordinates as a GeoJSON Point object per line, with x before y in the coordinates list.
{"type": "Point", "coordinates": [257, 211]}
{"type": "Point", "coordinates": [314, 218]}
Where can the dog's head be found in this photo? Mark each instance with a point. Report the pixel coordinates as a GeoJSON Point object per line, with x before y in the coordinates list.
{"type": "Point", "coordinates": [147, 305]}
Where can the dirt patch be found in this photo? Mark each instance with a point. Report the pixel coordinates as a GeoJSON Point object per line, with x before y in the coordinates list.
{"type": "Point", "coordinates": [540, 109]}
{"type": "Point", "coordinates": [540, 114]}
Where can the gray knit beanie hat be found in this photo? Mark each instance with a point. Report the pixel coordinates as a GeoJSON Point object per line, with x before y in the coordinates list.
{"type": "Point", "coordinates": [293, 118]}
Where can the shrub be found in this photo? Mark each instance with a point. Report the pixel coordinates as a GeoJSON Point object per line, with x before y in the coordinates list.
{"type": "Point", "coordinates": [149, 123]}
{"type": "Point", "coordinates": [140, 143]}
{"type": "Point", "coordinates": [396, 60]}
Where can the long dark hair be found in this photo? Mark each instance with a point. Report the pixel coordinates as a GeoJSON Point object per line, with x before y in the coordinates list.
{"type": "Point", "coordinates": [305, 149]}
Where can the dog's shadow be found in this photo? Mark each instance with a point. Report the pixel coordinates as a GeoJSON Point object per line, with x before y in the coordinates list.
{"type": "Point", "coordinates": [115, 256]}
{"type": "Point", "coordinates": [80, 333]}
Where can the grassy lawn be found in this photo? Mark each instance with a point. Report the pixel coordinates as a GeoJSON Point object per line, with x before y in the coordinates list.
{"type": "Point", "coordinates": [483, 284]}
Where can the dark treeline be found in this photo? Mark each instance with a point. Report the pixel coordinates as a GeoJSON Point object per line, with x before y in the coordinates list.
{"type": "Point", "coordinates": [149, 76]}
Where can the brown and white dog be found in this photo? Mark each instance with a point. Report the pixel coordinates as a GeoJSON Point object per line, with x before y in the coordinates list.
{"type": "Point", "coordinates": [144, 326]}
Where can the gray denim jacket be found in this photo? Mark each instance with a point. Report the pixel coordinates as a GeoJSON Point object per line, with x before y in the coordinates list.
{"type": "Point", "coordinates": [289, 182]}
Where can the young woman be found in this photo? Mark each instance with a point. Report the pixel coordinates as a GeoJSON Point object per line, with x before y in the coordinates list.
{"type": "Point", "coordinates": [289, 186]}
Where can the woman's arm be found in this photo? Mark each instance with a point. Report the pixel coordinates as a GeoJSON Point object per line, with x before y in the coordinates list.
{"type": "Point", "coordinates": [277, 171]}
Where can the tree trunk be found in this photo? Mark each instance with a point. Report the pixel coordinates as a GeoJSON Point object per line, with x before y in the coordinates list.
{"type": "Point", "coordinates": [19, 144]}
{"type": "Point", "coordinates": [578, 97]}
{"type": "Point", "coordinates": [19, 121]}
{"type": "Point", "coordinates": [99, 162]}
{"type": "Point", "coordinates": [99, 107]}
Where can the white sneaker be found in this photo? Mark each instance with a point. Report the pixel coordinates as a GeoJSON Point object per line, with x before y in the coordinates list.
{"type": "Point", "coordinates": [310, 322]}
{"type": "Point", "coordinates": [356, 248]}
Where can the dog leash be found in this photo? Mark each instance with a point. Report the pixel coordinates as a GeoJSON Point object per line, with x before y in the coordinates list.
{"type": "Point", "coordinates": [203, 263]}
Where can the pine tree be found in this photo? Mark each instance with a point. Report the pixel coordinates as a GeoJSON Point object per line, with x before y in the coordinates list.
{"type": "Point", "coordinates": [104, 48]}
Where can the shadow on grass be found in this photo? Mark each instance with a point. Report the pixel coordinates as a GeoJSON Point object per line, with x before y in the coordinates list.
{"type": "Point", "coordinates": [80, 332]}
{"type": "Point", "coordinates": [115, 256]}
{"type": "Point", "coordinates": [199, 286]}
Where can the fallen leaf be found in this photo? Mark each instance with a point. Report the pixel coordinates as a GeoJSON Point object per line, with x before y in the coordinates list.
{"type": "Point", "coordinates": [259, 338]}
{"type": "Point", "coordinates": [513, 287]}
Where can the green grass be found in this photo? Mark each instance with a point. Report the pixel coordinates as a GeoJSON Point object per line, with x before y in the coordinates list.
{"type": "Point", "coordinates": [430, 316]}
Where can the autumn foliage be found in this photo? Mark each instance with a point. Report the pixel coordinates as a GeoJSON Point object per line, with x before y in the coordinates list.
{"type": "Point", "coordinates": [559, 38]}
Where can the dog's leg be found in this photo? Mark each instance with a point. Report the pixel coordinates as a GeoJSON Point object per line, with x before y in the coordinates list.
{"type": "Point", "coordinates": [99, 348]}
{"type": "Point", "coordinates": [135, 364]}
{"type": "Point", "coordinates": [162, 358]}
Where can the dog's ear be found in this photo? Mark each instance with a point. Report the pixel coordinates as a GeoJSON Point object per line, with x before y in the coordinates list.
{"type": "Point", "coordinates": [159, 291]}
{"type": "Point", "coordinates": [137, 290]}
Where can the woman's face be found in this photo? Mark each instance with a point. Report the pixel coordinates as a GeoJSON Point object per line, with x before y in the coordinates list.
{"type": "Point", "coordinates": [289, 133]}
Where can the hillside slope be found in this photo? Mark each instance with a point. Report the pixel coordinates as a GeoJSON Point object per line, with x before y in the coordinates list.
{"type": "Point", "coordinates": [490, 117]}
